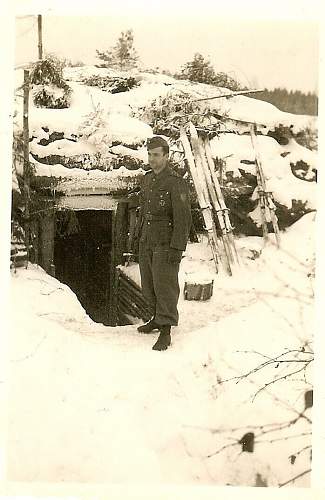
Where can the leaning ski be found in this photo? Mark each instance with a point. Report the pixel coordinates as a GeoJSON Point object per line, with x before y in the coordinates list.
{"type": "Point", "coordinates": [265, 197]}
{"type": "Point", "coordinates": [203, 198]}
{"type": "Point", "coordinates": [224, 211]}
{"type": "Point", "coordinates": [204, 169]}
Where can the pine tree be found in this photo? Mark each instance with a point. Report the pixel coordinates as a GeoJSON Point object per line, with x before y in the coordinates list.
{"type": "Point", "coordinates": [198, 70]}
{"type": "Point", "coordinates": [123, 55]}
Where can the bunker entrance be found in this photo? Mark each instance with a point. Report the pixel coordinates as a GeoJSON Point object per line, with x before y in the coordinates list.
{"type": "Point", "coordinates": [83, 253]}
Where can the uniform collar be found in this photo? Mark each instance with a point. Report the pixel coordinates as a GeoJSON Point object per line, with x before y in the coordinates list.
{"type": "Point", "coordinates": [163, 172]}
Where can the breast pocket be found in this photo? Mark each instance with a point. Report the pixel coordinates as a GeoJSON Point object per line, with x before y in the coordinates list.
{"type": "Point", "coordinates": [162, 201]}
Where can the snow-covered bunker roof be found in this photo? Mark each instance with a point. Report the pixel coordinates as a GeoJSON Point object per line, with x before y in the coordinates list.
{"type": "Point", "coordinates": [97, 145]}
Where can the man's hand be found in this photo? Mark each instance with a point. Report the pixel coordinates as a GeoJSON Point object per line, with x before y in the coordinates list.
{"type": "Point", "coordinates": [174, 256]}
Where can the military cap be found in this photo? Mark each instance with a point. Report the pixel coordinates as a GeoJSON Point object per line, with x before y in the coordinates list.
{"type": "Point", "coordinates": [157, 142]}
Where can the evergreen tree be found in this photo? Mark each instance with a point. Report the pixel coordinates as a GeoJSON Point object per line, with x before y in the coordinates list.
{"type": "Point", "coordinates": [198, 70]}
{"type": "Point", "coordinates": [122, 55]}
{"type": "Point", "coordinates": [47, 74]}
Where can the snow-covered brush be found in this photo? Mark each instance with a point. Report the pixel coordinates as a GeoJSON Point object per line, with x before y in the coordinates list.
{"type": "Point", "coordinates": [49, 87]}
{"type": "Point", "coordinates": [111, 84]}
{"type": "Point", "coordinates": [95, 129]}
{"type": "Point", "coordinates": [168, 113]}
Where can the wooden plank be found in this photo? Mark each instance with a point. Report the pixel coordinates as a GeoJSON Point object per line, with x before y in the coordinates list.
{"type": "Point", "coordinates": [113, 277]}
{"type": "Point", "coordinates": [131, 299]}
{"type": "Point", "coordinates": [82, 202]}
{"type": "Point", "coordinates": [40, 41]}
{"type": "Point", "coordinates": [121, 229]}
{"type": "Point", "coordinates": [131, 292]}
{"type": "Point", "coordinates": [47, 233]}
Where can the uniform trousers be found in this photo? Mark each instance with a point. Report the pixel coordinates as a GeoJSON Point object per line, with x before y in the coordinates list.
{"type": "Point", "coordinates": [159, 282]}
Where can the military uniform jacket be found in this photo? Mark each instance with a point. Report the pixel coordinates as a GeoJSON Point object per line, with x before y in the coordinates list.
{"type": "Point", "coordinates": [165, 210]}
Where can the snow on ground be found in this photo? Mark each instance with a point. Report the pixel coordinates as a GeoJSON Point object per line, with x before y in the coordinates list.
{"type": "Point", "coordinates": [92, 403]}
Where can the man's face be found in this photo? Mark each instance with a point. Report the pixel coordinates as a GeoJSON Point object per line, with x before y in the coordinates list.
{"type": "Point", "coordinates": [157, 159]}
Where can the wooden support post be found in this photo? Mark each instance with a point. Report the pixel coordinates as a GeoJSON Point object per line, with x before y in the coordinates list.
{"type": "Point", "coordinates": [121, 226]}
{"type": "Point", "coordinates": [47, 223]}
{"type": "Point", "coordinates": [40, 40]}
{"type": "Point", "coordinates": [113, 276]}
{"type": "Point", "coordinates": [26, 168]}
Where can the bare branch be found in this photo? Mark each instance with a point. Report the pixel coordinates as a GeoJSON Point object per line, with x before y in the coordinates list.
{"type": "Point", "coordinates": [308, 447]}
{"type": "Point", "coordinates": [275, 360]}
{"type": "Point", "coordinates": [284, 438]}
{"type": "Point", "coordinates": [277, 399]}
{"type": "Point", "coordinates": [295, 477]}
{"type": "Point", "coordinates": [284, 377]}
{"type": "Point", "coordinates": [229, 445]}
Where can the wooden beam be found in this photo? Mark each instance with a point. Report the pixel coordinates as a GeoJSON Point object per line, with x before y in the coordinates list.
{"type": "Point", "coordinates": [47, 237]}
{"type": "Point", "coordinates": [231, 94]}
{"type": "Point", "coordinates": [40, 36]}
{"type": "Point", "coordinates": [121, 229]}
{"type": "Point", "coordinates": [113, 276]}
{"type": "Point", "coordinates": [26, 167]}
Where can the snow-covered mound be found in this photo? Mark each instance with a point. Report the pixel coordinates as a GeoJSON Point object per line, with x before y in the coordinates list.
{"type": "Point", "coordinates": [104, 130]}
{"type": "Point", "coordinates": [238, 154]}
{"type": "Point", "coordinates": [101, 406]}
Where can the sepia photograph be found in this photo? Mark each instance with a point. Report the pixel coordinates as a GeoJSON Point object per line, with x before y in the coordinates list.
{"type": "Point", "coordinates": [162, 246]}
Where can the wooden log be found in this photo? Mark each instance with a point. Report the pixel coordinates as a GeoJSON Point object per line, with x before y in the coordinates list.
{"type": "Point", "coordinates": [40, 41]}
{"type": "Point", "coordinates": [130, 283]}
{"type": "Point", "coordinates": [126, 291]}
{"type": "Point", "coordinates": [17, 263]}
{"type": "Point", "coordinates": [136, 292]}
{"type": "Point", "coordinates": [125, 308]}
{"type": "Point", "coordinates": [129, 307]}
{"type": "Point", "coordinates": [132, 308]}
{"type": "Point", "coordinates": [130, 298]}
{"type": "Point", "coordinates": [141, 311]}
{"type": "Point", "coordinates": [124, 294]}
{"type": "Point", "coordinates": [47, 237]}
{"type": "Point", "coordinates": [231, 94]}
{"type": "Point", "coordinates": [19, 258]}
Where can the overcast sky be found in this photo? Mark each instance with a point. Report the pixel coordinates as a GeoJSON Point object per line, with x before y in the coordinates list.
{"type": "Point", "coordinates": [260, 53]}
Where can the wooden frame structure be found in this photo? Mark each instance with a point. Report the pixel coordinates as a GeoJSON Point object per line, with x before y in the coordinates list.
{"type": "Point", "coordinates": [44, 231]}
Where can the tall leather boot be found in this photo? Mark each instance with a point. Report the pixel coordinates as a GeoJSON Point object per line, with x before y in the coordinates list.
{"type": "Point", "coordinates": [164, 339]}
{"type": "Point", "coordinates": [148, 327]}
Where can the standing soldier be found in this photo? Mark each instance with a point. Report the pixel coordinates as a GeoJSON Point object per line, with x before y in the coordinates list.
{"type": "Point", "coordinates": [164, 225]}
